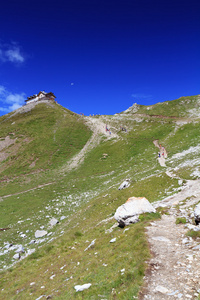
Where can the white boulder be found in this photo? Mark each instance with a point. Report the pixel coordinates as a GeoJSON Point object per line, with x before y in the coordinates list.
{"type": "Point", "coordinates": [40, 233]}
{"type": "Point", "coordinates": [197, 214]}
{"type": "Point", "coordinates": [128, 212]}
{"type": "Point", "coordinates": [124, 184]}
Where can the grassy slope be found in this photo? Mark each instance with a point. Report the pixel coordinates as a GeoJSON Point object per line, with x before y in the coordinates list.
{"type": "Point", "coordinates": [46, 135]}
{"type": "Point", "coordinates": [175, 108]}
{"type": "Point", "coordinates": [132, 156]}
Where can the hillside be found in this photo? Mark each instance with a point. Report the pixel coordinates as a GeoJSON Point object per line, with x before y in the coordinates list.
{"type": "Point", "coordinates": [57, 164]}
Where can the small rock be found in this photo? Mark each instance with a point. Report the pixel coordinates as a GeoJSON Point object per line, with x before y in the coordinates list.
{"type": "Point", "coordinates": [124, 184]}
{"type": "Point", "coordinates": [40, 233]}
{"type": "Point", "coordinates": [185, 241]}
{"type": "Point", "coordinates": [91, 244]}
{"type": "Point", "coordinates": [173, 293]}
{"type": "Point", "coordinates": [113, 240]}
{"type": "Point", "coordinates": [197, 214]}
{"type": "Point", "coordinates": [179, 295]}
{"type": "Point", "coordinates": [53, 222]}
{"type": "Point", "coordinates": [161, 239]}
{"type": "Point", "coordinates": [20, 249]}
{"type": "Point", "coordinates": [16, 256]}
{"type": "Point", "coordinates": [32, 242]}
{"type": "Point", "coordinates": [23, 235]}
{"type": "Point", "coordinates": [162, 289]}
{"type": "Point", "coordinates": [196, 247]}
{"type": "Point", "coordinates": [62, 218]}
{"type": "Point", "coordinates": [80, 288]}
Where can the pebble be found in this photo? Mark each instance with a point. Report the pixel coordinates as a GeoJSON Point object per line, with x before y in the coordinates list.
{"type": "Point", "coordinates": [162, 289]}
{"type": "Point", "coordinates": [113, 240]}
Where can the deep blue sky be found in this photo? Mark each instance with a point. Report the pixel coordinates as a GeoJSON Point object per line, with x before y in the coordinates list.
{"type": "Point", "coordinates": [97, 56]}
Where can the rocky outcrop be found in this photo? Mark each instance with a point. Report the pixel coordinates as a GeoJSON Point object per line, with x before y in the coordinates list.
{"type": "Point", "coordinates": [129, 212]}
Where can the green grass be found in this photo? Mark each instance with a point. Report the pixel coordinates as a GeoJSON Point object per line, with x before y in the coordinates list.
{"type": "Point", "coordinates": [47, 136]}
{"type": "Point", "coordinates": [193, 234]}
{"type": "Point", "coordinates": [175, 108]}
{"type": "Point", "coordinates": [86, 196]}
{"type": "Point", "coordinates": [101, 264]}
{"type": "Point", "coordinates": [181, 221]}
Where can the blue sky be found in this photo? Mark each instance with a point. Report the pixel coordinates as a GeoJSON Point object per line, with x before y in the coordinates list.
{"type": "Point", "coordinates": [99, 57]}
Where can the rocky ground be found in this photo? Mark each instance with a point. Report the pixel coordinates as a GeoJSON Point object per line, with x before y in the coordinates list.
{"type": "Point", "coordinates": [174, 269]}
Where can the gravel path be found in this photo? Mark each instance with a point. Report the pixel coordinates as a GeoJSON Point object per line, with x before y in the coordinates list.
{"type": "Point", "coordinates": [174, 269]}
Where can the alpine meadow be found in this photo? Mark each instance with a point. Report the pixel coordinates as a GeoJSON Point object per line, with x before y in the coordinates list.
{"type": "Point", "coordinates": [60, 175]}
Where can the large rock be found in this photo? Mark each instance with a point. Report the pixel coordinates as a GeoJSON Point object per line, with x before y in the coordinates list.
{"type": "Point", "coordinates": [124, 184]}
{"type": "Point", "coordinates": [129, 212]}
{"type": "Point", "coordinates": [197, 214]}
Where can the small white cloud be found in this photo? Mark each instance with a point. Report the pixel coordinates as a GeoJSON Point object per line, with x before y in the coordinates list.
{"type": "Point", "coordinates": [11, 53]}
{"type": "Point", "coordinates": [9, 100]}
{"type": "Point", "coordinates": [15, 98]}
{"type": "Point", "coordinates": [14, 55]}
{"type": "Point", "coordinates": [2, 90]}
{"type": "Point", "coordinates": [14, 106]}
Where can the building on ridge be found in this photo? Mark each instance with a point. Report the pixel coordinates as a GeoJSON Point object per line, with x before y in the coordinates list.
{"type": "Point", "coordinates": [40, 97]}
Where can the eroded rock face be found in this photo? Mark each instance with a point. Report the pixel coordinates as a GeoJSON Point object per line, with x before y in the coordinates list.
{"type": "Point", "coordinates": [197, 214]}
{"type": "Point", "coordinates": [129, 212]}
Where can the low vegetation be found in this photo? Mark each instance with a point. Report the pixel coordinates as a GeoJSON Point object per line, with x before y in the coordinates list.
{"type": "Point", "coordinates": [181, 220]}
{"type": "Point", "coordinates": [36, 186]}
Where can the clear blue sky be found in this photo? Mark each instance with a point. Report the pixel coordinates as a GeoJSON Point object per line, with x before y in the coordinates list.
{"type": "Point", "coordinates": [97, 56]}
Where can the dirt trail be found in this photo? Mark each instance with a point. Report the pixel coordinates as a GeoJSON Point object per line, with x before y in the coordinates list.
{"type": "Point", "coordinates": [174, 269]}
{"type": "Point", "coordinates": [162, 154]}
{"type": "Point", "coordinates": [99, 130]}
{"type": "Point", "coordinates": [35, 188]}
